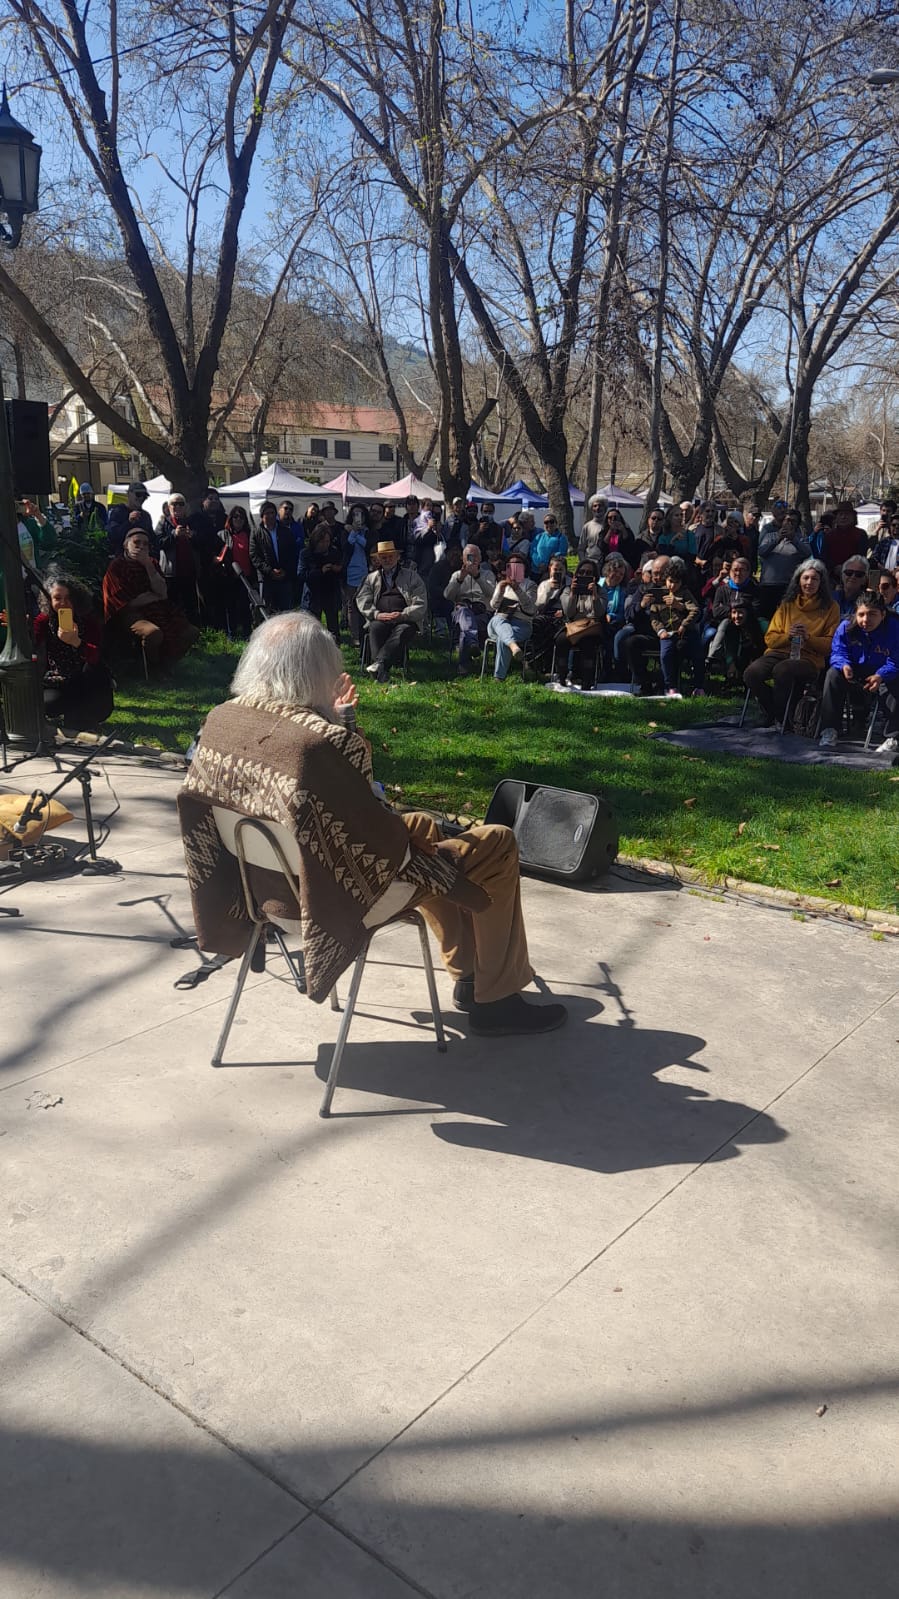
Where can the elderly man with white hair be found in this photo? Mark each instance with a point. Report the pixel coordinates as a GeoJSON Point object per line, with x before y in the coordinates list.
{"type": "Point", "coordinates": [279, 750]}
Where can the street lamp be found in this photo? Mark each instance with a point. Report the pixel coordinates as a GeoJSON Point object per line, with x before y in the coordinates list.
{"type": "Point", "coordinates": [20, 693]}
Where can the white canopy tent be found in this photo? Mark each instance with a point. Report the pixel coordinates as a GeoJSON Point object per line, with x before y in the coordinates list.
{"type": "Point", "coordinates": [275, 483]}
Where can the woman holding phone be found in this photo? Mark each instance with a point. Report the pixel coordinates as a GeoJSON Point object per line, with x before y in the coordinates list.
{"type": "Point", "coordinates": [513, 604]}
{"type": "Point", "coordinates": [68, 640]}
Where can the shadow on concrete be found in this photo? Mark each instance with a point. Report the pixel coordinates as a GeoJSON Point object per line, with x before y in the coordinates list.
{"type": "Point", "coordinates": [171, 1520]}
{"type": "Point", "coordinates": [589, 1096]}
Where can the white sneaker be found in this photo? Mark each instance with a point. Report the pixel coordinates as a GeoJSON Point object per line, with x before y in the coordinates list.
{"type": "Point", "coordinates": [889, 746]}
{"type": "Point", "coordinates": [828, 739]}
{"type": "Point", "coordinates": [372, 667]}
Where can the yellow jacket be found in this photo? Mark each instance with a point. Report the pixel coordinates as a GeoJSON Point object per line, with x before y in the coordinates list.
{"type": "Point", "coordinates": [819, 622]}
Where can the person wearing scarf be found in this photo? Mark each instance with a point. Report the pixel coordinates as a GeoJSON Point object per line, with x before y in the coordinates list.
{"type": "Point", "coordinates": [278, 751]}
{"type": "Point", "coordinates": [136, 604]}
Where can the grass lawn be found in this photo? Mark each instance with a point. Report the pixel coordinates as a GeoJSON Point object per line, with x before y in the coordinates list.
{"type": "Point", "coordinates": [445, 743]}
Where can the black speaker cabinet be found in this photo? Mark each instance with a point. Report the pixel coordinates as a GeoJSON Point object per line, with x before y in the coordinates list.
{"type": "Point", "coordinates": [560, 832]}
{"type": "Point", "coordinates": [28, 423]}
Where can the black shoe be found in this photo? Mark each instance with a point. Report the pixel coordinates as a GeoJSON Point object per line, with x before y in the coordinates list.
{"type": "Point", "coordinates": [515, 1015]}
{"type": "Point", "coordinates": [463, 993]}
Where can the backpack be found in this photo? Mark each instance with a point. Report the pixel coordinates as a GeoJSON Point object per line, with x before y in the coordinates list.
{"type": "Point", "coordinates": [806, 713]}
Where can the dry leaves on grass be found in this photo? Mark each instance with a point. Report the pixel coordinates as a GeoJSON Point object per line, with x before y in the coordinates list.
{"type": "Point", "coordinates": [833, 882]}
{"type": "Point", "coordinates": [742, 828]}
{"type": "Point", "coordinates": [771, 846]}
{"type": "Point", "coordinates": [689, 803]}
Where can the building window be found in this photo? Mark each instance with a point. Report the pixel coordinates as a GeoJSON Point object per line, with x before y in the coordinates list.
{"type": "Point", "coordinates": [318, 447]}
{"type": "Point", "coordinates": [385, 452]}
{"type": "Point", "coordinates": [341, 449]}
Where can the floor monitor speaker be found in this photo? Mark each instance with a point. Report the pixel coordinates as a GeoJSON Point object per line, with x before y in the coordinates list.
{"type": "Point", "coordinates": [560, 832]}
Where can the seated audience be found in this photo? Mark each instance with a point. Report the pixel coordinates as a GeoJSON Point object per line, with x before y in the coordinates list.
{"type": "Point", "coordinates": [637, 640]}
{"type": "Point", "coordinates": [616, 588]}
{"type": "Point", "coordinates": [854, 580]}
{"type": "Point", "coordinates": [547, 544]}
{"type": "Point", "coordinates": [319, 570]}
{"type": "Point", "coordinates": [674, 615]}
{"type": "Point", "coordinates": [136, 605]}
{"type": "Point", "coordinates": [68, 640]}
{"type": "Point", "coordinates": [277, 750]}
{"type": "Point", "coordinates": [513, 604]}
{"type": "Point", "coordinates": [733, 585]}
{"type": "Point", "coordinates": [549, 618]}
{"type": "Point", "coordinates": [584, 608]}
{"type": "Point", "coordinates": [797, 643]}
{"type": "Point", "coordinates": [469, 591]}
{"type": "Point", "coordinates": [864, 657]}
{"type": "Point", "coordinates": [394, 602]}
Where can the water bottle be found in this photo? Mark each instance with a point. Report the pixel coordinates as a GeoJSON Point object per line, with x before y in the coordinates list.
{"type": "Point", "coordinates": [796, 647]}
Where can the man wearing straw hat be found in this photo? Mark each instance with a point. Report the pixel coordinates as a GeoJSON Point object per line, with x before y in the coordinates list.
{"type": "Point", "coordinates": [394, 603]}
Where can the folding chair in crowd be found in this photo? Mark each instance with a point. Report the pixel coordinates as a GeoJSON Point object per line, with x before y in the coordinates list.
{"type": "Point", "coordinates": [270, 846]}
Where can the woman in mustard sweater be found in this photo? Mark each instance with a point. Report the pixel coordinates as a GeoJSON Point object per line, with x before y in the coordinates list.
{"type": "Point", "coordinates": [797, 643]}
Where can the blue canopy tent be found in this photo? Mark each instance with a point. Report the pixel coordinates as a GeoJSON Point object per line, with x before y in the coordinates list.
{"type": "Point", "coordinates": [527, 496]}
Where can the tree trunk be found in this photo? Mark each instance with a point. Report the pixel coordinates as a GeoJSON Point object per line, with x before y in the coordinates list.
{"type": "Point", "coordinates": [555, 473]}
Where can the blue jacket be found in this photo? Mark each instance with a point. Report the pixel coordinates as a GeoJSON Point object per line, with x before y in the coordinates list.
{"type": "Point", "coordinates": [356, 567]}
{"type": "Point", "coordinates": [544, 546]}
{"type": "Point", "coordinates": [868, 653]}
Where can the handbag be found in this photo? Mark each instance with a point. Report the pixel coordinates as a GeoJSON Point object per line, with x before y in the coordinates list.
{"type": "Point", "coordinates": [581, 628]}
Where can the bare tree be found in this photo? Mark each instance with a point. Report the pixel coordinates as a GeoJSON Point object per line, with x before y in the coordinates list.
{"type": "Point", "coordinates": [177, 297]}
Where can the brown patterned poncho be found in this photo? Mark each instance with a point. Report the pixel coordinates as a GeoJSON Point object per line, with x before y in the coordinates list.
{"type": "Point", "coordinates": [292, 766]}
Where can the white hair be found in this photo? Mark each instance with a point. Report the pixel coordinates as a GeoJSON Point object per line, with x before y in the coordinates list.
{"type": "Point", "coordinates": [289, 660]}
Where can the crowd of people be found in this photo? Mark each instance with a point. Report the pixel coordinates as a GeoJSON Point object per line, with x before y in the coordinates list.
{"type": "Point", "coordinates": [747, 599]}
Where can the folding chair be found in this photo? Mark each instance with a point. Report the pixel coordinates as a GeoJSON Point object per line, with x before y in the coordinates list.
{"type": "Point", "coordinates": [365, 652]}
{"type": "Point", "coordinates": [268, 844]}
{"type": "Point", "coordinates": [489, 644]}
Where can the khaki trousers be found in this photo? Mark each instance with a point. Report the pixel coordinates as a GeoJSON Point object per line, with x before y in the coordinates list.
{"type": "Point", "coordinates": [491, 943]}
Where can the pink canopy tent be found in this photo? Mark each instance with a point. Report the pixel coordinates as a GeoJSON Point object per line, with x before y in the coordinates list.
{"type": "Point", "coordinates": [410, 484]}
{"type": "Point", "coordinates": [348, 487]}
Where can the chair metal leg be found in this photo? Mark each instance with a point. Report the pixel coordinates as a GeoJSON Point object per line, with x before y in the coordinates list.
{"type": "Point", "coordinates": [872, 722]}
{"type": "Point", "coordinates": [242, 976]}
{"type": "Point", "coordinates": [335, 1002]}
{"type": "Point", "coordinates": [432, 986]}
{"type": "Point", "coordinates": [296, 967]}
{"type": "Point", "coordinates": [746, 700]}
{"type": "Point", "coordinates": [789, 707]}
{"type": "Point", "coordinates": [337, 1057]}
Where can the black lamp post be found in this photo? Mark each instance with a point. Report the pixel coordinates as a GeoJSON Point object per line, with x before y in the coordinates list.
{"type": "Point", "coordinates": [20, 691]}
